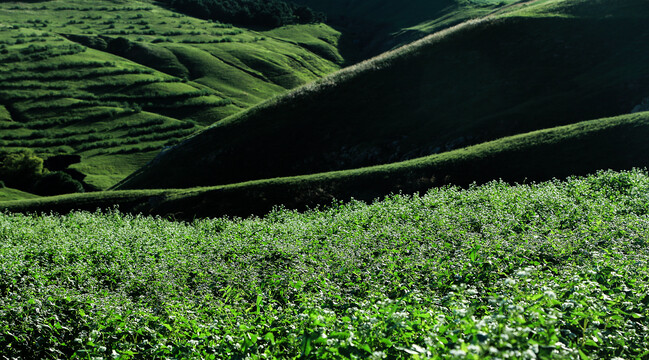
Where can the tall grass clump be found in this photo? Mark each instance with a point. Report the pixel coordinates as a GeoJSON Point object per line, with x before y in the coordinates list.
{"type": "Point", "coordinates": [556, 270]}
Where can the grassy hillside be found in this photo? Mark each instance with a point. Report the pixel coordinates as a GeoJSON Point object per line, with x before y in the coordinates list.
{"type": "Point", "coordinates": [577, 149]}
{"type": "Point", "coordinates": [7, 194]}
{"type": "Point", "coordinates": [556, 270]}
{"type": "Point", "coordinates": [116, 82]}
{"type": "Point", "coordinates": [473, 83]}
{"type": "Point", "coordinates": [370, 27]}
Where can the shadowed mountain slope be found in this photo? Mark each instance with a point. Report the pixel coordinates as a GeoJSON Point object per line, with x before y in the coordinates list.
{"type": "Point", "coordinates": [370, 27]}
{"type": "Point", "coordinates": [473, 83]}
{"type": "Point", "coordinates": [577, 149]}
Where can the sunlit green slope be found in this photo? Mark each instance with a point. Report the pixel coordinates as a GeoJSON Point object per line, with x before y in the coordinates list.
{"type": "Point", "coordinates": [7, 194]}
{"type": "Point", "coordinates": [117, 81]}
{"type": "Point", "coordinates": [536, 68]}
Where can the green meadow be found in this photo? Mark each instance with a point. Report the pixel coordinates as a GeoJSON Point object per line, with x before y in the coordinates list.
{"type": "Point", "coordinates": [553, 270]}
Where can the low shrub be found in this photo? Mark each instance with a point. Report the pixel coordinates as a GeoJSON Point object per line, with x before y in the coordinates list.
{"type": "Point", "coordinates": [56, 183]}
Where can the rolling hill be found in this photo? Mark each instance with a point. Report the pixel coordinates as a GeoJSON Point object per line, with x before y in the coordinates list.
{"type": "Point", "coordinates": [577, 149]}
{"type": "Point", "coordinates": [7, 194]}
{"type": "Point", "coordinates": [117, 81]}
{"type": "Point", "coordinates": [511, 96]}
{"type": "Point", "coordinates": [536, 66]}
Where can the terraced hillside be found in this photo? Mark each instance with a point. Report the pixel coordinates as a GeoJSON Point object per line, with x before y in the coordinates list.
{"type": "Point", "coordinates": [117, 81]}
{"type": "Point", "coordinates": [538, 66]}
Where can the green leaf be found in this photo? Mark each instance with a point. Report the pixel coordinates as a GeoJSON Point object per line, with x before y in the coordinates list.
{"type": "Point", "coordinates": [386, 342]}
{"type": "Point", "coordinates": [365, 347]}
{"type": "Point", "coordinates": [591, 342]}
{"type": "Point", "coordinates": [269, 337]}
{"type": "Point", "coordinates": [536, 297]}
